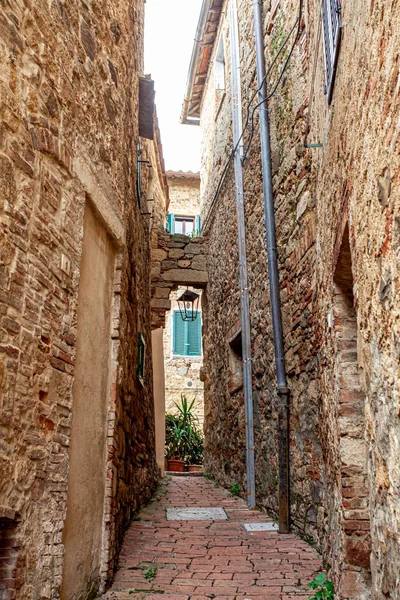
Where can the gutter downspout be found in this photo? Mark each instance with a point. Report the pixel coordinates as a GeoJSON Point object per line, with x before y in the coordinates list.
{"type": "Point", "coordinates": [273, 276]}
{"type": "Point", "coordinates": [244, 287]}
{"type": "Point", "coordinates": [205, 7]}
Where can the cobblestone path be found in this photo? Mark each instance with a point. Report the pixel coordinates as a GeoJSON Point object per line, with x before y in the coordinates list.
{"type": "Point", "coordinates": [209, 559]}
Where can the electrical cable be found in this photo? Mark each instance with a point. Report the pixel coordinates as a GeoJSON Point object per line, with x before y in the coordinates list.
{"type": "Point", "coordinates": [298, 22]}
{"type": "Point", "coordinates": [249, 104]}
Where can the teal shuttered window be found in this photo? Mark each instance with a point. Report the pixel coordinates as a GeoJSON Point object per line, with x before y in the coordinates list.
{"type": "Point", "coordinates": [187, 225]}
{"type": "Point", "coordinates": [186, 336]}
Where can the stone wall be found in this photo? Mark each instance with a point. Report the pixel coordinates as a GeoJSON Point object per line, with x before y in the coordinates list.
{"type": "Point", "coordinates": [68, 138]}
{"type": "Point", "coordinates": [342, 359]}
{"type": "Point", "coordinates": [176, 260]}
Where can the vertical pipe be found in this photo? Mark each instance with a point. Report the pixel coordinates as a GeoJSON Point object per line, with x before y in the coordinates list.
{"type": "Point", "coordinates": [244, 288]}
{"type": "Point", "coordinates": [273, 275]}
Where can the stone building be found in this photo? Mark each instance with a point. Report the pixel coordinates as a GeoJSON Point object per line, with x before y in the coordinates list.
{"type": "Point", "coordinates": [183, 361]}
{"type": "Point", "coordinates": [336, 179]}
{"type": "Point", "coordinates": [77, 202]}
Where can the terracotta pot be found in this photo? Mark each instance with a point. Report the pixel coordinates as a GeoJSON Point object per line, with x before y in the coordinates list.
{"type": "Point", "coordinates": [176, 465]}
{"type": "Point", "coordinates": [194, 468]}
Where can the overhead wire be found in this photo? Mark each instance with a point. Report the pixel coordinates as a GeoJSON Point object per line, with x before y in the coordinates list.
{"type": "Point", "coordinates": [250, 113]}
{"type": "Point", "coordinates": [298, 23]}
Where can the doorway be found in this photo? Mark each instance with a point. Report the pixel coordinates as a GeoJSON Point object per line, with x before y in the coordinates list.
{"type": "Point", "coordinates": [82, 536]}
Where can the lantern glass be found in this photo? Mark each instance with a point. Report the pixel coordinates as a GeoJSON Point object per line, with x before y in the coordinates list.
{"type": "Point", "coordinates": [188, 304]}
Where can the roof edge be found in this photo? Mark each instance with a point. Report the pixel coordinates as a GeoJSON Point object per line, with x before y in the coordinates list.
{"type": "Point", "coordinates": [208, 9]}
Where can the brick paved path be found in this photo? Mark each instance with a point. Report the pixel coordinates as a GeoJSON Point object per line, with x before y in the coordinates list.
{"type": "Point", "coordinates": [209, 559]}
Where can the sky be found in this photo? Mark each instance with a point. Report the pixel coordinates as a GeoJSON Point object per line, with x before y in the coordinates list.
{"type": "Point", "coordinates": [170, 29]}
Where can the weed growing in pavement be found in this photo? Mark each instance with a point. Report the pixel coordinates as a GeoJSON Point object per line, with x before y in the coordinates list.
{"type": "Point", "coordinates": [217, 484]}
{"type": "Point", "coordinates": [324, 588]}
{"type": "Point", "coordinates": [207, 476]}
{"type": "Point", "coordinates": [150, 573]}
{"type": "Point", "coordinates": [234, 490]}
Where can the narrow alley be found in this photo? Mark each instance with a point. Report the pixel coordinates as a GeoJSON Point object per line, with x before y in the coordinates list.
{"type": "Point", "coordinates": [199, 300]}
{"type": "Point", "coordinates": [198, 559]}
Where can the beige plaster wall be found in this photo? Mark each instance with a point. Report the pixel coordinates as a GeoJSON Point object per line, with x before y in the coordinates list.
{"type": "Point", "coordinates": [86, 482]}
{"type": "Point", "coordinates": [159, 393]}
{"type": "Point", "coordinates": [184, 192]}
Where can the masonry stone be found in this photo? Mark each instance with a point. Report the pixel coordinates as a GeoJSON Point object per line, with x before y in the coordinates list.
{"type": "Point", "coordinates": [336, 207]}
{"type": "Point", "coordinates": [69, 106]}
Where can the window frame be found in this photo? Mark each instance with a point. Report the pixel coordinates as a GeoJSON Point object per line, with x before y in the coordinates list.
{"type": "Point", "coordinates": [141, 359]}
{"type": "Point", "coordinates": [332, 34]}
{"type": "Point", "coordinates": [219, 66]}
{"type": "Point", "coordinates": [184, 219]}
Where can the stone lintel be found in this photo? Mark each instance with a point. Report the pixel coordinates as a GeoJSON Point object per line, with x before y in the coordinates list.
{"type": "Point", "coordinates": [186, 277]}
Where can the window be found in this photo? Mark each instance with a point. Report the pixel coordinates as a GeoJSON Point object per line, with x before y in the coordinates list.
{"type": "Point", "coordinates": [186, 225]}
{"type": "Point", "coordinates": [332, 28]}
{"type": "Point", "coordinates": [219, 67]}
{"type": "Point", "coordinates": [235, 362]}
{"type": "Point", "coordinates": [141, 358]}
{"type": "Point", "coordinates": [186, 336]}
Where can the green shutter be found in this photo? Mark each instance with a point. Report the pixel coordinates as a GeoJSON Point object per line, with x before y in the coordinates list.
{"type": "Point", "coordinates": [186, 336]}
{"type": "Point", "coordinates": [194, 336]}
{"type": "Point", "coordinates": [179, 334]}
{"type": "Point", "coordinates": [198, 229]}
{"type": "Point", "coordinates": [171, 223]}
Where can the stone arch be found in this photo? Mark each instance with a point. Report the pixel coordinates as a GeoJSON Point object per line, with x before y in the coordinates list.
{"type": "Point", "coordinates": [351, 425]}
{"type": "Point", "coordinates": [177, 260]}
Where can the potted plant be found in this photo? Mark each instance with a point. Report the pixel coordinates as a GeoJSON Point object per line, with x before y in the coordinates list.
{"type": "Point", "coordinates": [173, 443]}
{"type": "Point", "coordinates": [184, 442]}
{"type": "Point", "coordinates": [195, 455]}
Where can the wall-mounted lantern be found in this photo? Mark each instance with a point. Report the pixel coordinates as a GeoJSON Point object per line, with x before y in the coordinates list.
{"type": "Point", "coordinates": [188, 305]}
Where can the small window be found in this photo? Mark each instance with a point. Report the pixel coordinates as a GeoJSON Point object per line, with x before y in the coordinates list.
{"type": "Point", "coordinates": [184, 225]}
{"type": "Point", "coordinates": [186, 336]}
{"type": "Point", "coordinates": [235, 361]}
{"type": "Point", "coordinates": [332, 28]}
{"type": "Point", "coordinates": [219, 67]}
{"type": "Point", "coordinates": [141, 358]}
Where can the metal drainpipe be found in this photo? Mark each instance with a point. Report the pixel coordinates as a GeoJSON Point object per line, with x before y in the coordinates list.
{"type": "Point", "coordinates": [244, 288]}
{"type": "Point", "coordinates": [273, 276]}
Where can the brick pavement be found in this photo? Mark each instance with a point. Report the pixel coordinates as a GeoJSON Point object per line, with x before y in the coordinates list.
{"type": "Point", "coordinates": [198, 560]}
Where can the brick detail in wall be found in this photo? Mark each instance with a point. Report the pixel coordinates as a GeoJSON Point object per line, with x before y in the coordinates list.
{"type": "Point", "coordinates": [351, 421]}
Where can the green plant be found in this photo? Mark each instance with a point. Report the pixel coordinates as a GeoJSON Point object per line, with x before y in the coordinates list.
{"type": "Point", "coordinates": [234, 490]}
{"type": "Point", "coordinates": [208, 476]}
{"type": "Point", "coordinates": [217, 484]}
{"type": "Point", "coordinates": [324, 588]}
{"type": "Point", "coordinates": [186, 414]}
{"type": "Point", "coordinates": [173, 437]}
{"type": "Point", "coordinates": [150, 573]}
{"type": "Point", "coordinates": [183, 439]}
{"type": "Point", "coordinates": [195, 455]}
